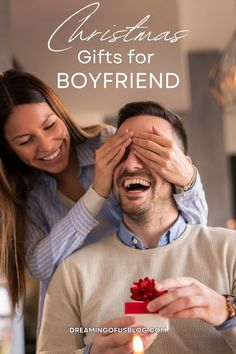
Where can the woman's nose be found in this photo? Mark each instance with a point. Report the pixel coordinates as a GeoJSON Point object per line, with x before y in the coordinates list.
{"type": "Point", "coordinates": [45, 143]}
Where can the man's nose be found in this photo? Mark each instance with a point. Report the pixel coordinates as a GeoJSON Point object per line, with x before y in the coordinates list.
{"type": "Point", "coordinates": [132, 162]}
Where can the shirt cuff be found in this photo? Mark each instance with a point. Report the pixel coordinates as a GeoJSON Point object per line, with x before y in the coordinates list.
{"type": "Point", "coordinates": [195, 187]}
{"type": "Point", "coordinates": [87, 349]}
{"type": "Point", "coordinates": [93, 202]}
{"type": "Point", "coordinates": [231, 323]}
{"type": "Point", "coordinates": [81, 219]}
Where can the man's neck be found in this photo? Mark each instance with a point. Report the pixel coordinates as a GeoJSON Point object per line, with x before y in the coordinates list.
{"type": "Point", "coordinates": [151, 229]}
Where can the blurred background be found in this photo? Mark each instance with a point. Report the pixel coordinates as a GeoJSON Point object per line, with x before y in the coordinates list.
{"type": "Point", "coordinates": [202, 60]}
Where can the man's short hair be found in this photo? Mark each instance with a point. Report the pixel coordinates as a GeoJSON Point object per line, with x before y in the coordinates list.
{"type": "Point", "coordinates": [150, 108]}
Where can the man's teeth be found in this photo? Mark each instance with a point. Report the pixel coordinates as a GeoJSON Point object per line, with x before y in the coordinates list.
{"type": "Point", "coordinates": [52, 156]}
{"type": "Point", "coordinates": [142, 182]}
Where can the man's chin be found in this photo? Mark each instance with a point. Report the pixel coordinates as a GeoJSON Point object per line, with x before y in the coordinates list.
{"type": "Point", "coordinates": [135, 198]}
{"type": "Point", "coordinates": [132, 203]}
{"type": "Point", "coordinates": [134, 210]}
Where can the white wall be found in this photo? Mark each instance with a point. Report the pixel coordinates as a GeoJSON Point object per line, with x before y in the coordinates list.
{"type": "Point", "coordinates": [211, 23]}
{"type": "Point", "coordinates": [5, 41]}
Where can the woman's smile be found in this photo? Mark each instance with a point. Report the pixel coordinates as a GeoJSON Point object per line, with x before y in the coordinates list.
{"type": "Point", "coordinates": [39, 137]}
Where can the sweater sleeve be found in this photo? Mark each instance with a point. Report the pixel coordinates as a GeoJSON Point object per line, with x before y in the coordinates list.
{"type": "Point", "coordinates": [45, 249]}
{"type": "Point", "coordinates": [192, 203]}
{"type": "Point", "coordinates": [229, 334]}
{"type": "Point", "coordinates": [230, 337]}
{"type": "Point", "coordinates": [60, 326]}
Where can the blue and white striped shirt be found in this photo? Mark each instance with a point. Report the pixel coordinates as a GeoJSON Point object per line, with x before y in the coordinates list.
{"type": "Point", "coordinates": [58, 231]}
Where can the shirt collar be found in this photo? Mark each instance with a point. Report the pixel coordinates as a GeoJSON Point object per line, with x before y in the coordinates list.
{"type": "Point", "coordinates": [131, 240]}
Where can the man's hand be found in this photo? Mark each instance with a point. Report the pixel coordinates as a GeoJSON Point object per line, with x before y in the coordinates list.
{"type": "Point", "coordinates": [164, 156]}
{"type": "Point", "coordinates": [188, 298]}
{"type": "Point", "coordinates": [118, 343]}
{"type": "Point", "coordinates": [107, 158]}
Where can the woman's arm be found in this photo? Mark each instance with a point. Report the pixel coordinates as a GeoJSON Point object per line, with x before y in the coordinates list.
{"type": "Point", "coordinates": [45, 248]}
{"type": "Point", "coordinates": [48, 243]}
{"type": "Point", "coordinates": [192, 203]}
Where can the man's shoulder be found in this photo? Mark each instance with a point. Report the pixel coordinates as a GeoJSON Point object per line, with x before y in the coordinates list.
{"type": "Point", "coordinates": [212, 229]}
{"type": "Point", "coordinates": [92, 251]}
{"type": "Point", "coordinates": [213, 233]}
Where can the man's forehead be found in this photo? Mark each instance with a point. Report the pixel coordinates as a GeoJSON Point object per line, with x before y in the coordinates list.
{"type": "Point", "coordinates": [145, 124]}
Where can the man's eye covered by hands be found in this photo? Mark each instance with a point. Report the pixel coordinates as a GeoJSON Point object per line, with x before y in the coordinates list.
{"type": "Point", "coordinates": [163, 155]}
{"type": "Point", "coordinates": [157, 150]}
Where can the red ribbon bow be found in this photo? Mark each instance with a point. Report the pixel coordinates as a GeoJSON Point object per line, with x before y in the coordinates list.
{"type": "Point", "coordinates": [145, 290]}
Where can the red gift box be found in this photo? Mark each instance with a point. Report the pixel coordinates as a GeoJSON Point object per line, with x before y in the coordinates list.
{"type": "Point", "coordinates": [145, 291]}
{"type": "Point", "coordinates": [137, 307]}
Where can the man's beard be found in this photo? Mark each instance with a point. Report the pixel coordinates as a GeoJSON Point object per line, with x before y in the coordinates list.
{"type": "Point", "coordinates": [153, 208]}
{"type": "Point", "coordinates": [138, 214]}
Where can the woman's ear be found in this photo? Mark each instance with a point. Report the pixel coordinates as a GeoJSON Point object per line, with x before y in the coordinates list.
{"type": "Point", "coordinates": [189, 159]}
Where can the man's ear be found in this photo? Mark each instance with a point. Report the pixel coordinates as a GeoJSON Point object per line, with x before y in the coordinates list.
{"type": "Point", "coordinates": [189, 159]}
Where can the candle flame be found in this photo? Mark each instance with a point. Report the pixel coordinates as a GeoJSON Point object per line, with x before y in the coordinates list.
{"type": "Point", "coordinates": [137, 344]}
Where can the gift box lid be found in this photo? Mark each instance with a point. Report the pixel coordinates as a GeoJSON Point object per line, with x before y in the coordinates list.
{"type": "Point", "coordinates": [137, 307]}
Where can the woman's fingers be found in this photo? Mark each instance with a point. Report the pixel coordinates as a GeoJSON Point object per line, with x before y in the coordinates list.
{"type": "Point", "coordinates": [111, 154]}
{"type": "Point", "coordinates": [162, 140]}
{"type": "Point", "coordinates": [115, 141]}
{"type": "Point", "coordinates": [165, 156]}
{"type": "Point", "coordinates": [153, 160]}
{"type": "Point", "coordinates": [107, 158]}
{"type": "Point", "coordinates": [149, 145]}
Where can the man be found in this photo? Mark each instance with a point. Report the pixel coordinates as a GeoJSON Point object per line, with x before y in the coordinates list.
{"type": "Point", "coordinates": [196, 264]}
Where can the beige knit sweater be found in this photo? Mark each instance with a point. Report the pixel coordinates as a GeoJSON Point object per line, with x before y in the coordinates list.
{"type": "Point", "coordinates": [92, 285]}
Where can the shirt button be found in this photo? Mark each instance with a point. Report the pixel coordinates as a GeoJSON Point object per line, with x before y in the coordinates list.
{"type": "Point", "coordinates": [135, 241]}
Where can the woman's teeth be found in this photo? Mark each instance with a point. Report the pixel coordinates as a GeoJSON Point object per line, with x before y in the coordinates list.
{"type": "Point", "coordinates": [52, 156]}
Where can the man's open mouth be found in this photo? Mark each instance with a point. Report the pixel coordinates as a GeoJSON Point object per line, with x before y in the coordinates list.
{"type": "Point", "coordinates": [136, 184]}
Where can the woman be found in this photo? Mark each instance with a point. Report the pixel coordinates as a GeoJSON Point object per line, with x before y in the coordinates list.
{"type": "Point", "coordinates": [52, 195]}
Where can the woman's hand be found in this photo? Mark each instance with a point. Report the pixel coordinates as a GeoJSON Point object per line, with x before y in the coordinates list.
{"type": "Point", "coordinates": [164, 156]}
{"type": "Point", "coordinates": [107, 158]}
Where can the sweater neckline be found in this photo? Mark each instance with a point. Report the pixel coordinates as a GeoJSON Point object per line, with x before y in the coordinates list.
{"type": "Point", "coordinates": [118, 244]}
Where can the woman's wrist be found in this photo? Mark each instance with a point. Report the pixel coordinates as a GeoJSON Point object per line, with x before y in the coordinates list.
{"type": "Point", "coordinates": [93, 202]}
{"type": "Point", "coordinates": [102, 192]}
{"type": "Point", "coordinates": [189, 185]}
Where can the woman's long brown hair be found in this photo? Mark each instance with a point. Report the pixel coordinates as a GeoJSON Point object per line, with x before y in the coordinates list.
{"type": "Point", "coordinates": [16, 178]}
